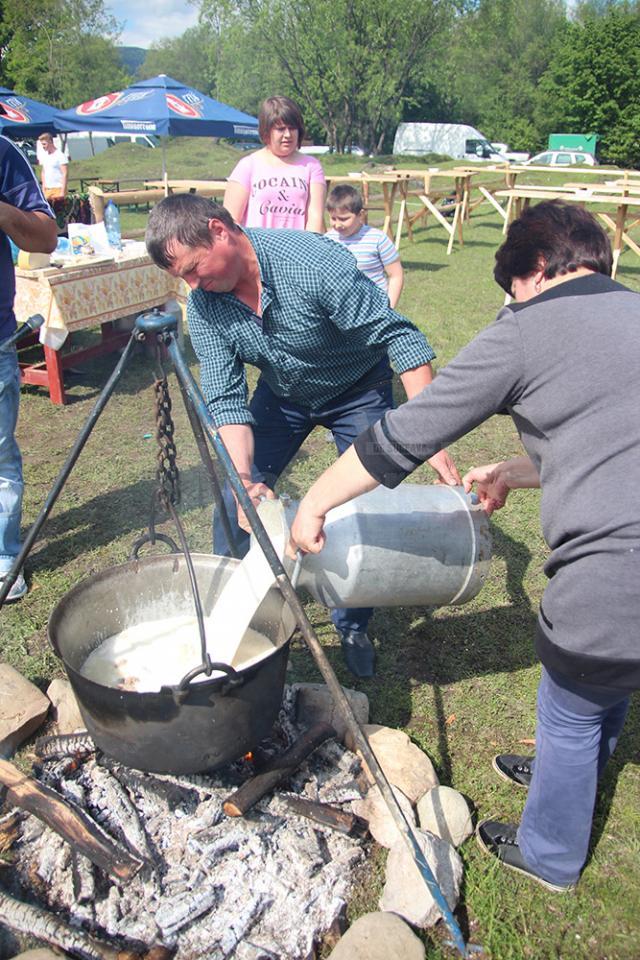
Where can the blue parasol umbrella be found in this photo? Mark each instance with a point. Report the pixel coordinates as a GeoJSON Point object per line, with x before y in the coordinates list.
{"type": "Point", "coordinates": [162, 106]}
{"type": "Point", "coordinates": [22, 117]}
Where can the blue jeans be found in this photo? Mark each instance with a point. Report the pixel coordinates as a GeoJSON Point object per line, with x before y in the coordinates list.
{"type": "Point", "coordinates": [280, 429]}
{"type": "Point", "coordinates": [578, 726]}
{"type": "Point", "coordinates": [10, 462]}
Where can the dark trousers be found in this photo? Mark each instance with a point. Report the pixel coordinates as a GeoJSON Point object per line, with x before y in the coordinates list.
{"type": "Point", "coordinates": [576, 732]}
{"type": "Point", "coordinates": [281, 428]}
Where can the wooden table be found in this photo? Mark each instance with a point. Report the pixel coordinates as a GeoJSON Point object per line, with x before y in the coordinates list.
{"type": "Point", "coordinates": [87, 295]}
{"type": "Point", "coordinates": [625, 206]}
{"type": "Point", "coordinates": [206, 188]}
{"type": "Point", "coordinates": [396, 185]}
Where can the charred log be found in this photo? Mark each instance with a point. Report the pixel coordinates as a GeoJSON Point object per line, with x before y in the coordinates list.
{"type": "Point", "coordinates": [72, 823]}
{"type": "Point", "coordinates": [278, 770]}
{"type": "Point", "coordinates": [39, 923]}
{"type": "Point", "coordinates": [327, 815]}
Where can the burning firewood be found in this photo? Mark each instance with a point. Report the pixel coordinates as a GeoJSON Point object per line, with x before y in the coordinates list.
{"type": "Point", "coordinates": [278, 770]}
{"type": "Point", "coordinates": [73, 824]}
{"type": "Point", "coordinates": [39, 923]}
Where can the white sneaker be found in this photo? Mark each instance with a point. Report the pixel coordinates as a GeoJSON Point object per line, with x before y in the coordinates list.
{"type": "Point", "coordinates": [18, 590]}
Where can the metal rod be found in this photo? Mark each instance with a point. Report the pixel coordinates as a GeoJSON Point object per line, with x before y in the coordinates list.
{"type": "Point", "coordinates": [206, 660]}
{"type": "Point", "coordinates": [205, 455]}
{"type": "Point", "coordinates": [405, 829]}
{"type": "Point", "coordinates": [76, 450]}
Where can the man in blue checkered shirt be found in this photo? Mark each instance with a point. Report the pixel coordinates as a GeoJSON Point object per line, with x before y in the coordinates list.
{"type": "Point", "coordinates": [295, 305]}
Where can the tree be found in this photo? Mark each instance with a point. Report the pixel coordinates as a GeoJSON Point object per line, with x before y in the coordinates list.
{"type": "Point", "coordinates": [189, 58]}
{"type": "Point", "coordinates": [592, 84]}
{"type": "Point", "coordinates": [61, 51]}
{"type": "Point", "coordinates": [349, 63]}
{"type": "Point", "coordinates": [499, 50]}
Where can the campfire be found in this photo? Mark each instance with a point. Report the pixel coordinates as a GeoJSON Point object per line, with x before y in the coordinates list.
{"type": "Point", "coordinates": [218, 865]}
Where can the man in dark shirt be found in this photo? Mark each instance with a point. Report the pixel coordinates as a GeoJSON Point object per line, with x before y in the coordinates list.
{"type": "Point", "coordinates": [295, 305]}
{"type": "Point", "coordinates": [26, 219]}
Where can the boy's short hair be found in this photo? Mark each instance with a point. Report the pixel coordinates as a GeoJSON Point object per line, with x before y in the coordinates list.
{"type": "Point", "coordinates": [345, 197]}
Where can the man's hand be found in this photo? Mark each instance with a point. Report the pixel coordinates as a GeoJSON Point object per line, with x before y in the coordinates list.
{"type": "Point", "coordinates": [257, 492]}
{"type": "Point", "coordinates": [307, 533]}
{"type": "Point", "coordinates": [445, 468]}
{"type": "Point", "coordinates": [491, 486]}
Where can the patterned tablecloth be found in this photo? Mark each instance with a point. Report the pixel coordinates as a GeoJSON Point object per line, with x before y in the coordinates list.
{"type": "Point", "coordinates": [83, 295]}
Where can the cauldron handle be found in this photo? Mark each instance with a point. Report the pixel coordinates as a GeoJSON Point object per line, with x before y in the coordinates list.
{"type": "Point", "coordinates": [233, 678]}
{"type": "Point", "coordinates": [147, 538]}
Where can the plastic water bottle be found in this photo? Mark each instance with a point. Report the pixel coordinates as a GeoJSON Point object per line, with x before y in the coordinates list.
{"type": "Point", "coordinates": [112, 225]}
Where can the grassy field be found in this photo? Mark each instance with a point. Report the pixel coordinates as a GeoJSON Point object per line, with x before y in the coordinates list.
{"type": "Point", "coordinates": [460, 680]}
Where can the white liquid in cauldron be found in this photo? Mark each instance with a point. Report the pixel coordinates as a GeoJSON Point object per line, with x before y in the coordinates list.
{"type": "Point", "coordinates": [147, 655]}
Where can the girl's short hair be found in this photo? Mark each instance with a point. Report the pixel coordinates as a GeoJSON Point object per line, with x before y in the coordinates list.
{"type": "Point", "coordinates": [276, 110]}
{"type": "Point", "coordinates": [559, 235]}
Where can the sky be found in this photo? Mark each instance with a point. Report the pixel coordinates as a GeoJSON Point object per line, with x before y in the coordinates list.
{"type": "Point", "coordinates": [143, 22]}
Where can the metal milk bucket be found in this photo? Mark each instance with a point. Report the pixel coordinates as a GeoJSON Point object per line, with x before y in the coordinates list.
{"type": "Point", "coordinates": [415, 545]}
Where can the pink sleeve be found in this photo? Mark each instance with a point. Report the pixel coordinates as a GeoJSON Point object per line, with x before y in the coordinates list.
{"type": "Point", "coordinates": [243, 172]}
{"type": "Point", "coordinates": [316, 173]}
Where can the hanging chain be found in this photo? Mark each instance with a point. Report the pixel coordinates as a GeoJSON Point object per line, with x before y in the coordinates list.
{"type": "Point", "coordinates": [167, 474]}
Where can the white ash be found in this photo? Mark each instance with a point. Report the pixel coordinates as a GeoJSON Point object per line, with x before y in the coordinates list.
{"type": "Point", "coordinates": [267, 885]}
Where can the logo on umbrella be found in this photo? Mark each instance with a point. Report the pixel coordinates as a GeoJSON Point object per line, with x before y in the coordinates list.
{"type": "Point", "coordinates": [98, 105]}
{"type": "Point", "coordinates": [15, 110]}
{"type": "Point", "coordinates": [193, 109]}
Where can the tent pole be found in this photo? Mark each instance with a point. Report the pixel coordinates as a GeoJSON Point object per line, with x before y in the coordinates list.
{"type": "Point", "coordinates": [164, 166]}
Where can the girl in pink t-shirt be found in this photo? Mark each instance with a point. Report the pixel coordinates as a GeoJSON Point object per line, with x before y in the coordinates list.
{"type": "Point", "coordinates": [278, 186]}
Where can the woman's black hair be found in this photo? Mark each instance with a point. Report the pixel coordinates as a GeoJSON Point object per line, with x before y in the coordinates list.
{"type": "Point", "coordinates": [556, 237]}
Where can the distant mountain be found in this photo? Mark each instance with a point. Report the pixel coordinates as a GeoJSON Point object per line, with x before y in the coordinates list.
{"type": "Point", "coordinates": [132, 58]}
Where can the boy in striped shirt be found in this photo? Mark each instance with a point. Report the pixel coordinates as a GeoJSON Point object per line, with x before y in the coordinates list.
{"type": "Point", "coordinates": [375, 254]}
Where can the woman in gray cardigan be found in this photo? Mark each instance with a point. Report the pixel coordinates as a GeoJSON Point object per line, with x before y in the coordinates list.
{"type": "Point", "coordinates": [563, 361]}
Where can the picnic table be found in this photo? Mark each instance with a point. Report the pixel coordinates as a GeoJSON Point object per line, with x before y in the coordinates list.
{"type": "Point", "coordinates": [625, 206]}
{"type": "Point", "coordinates": [96, 292]}
{"type": "Point", "coordinates": [396, 185]}
{"type": "Point", "coordinates": [207, 188]}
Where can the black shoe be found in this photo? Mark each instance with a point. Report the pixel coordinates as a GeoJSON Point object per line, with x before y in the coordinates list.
{"type": "Point", "coordinates": [500, 841]}
{"type": "Point", "coordinates": [359, 654]}
{"type": "Point", "coordinates": [513, 768]}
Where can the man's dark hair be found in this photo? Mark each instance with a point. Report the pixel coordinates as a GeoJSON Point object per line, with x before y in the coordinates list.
{"type": "Point", "coordinates": [345, 197]}
{"type": "Point", "coordinates": [182, 217]}
{"type": "Point", "coordinates": [276, 110]}
{"type": "Point", "coordinates": [560, 236]}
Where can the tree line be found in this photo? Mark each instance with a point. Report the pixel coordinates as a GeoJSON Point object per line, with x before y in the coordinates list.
{"type": "Point", "coordinates": [516, 69]}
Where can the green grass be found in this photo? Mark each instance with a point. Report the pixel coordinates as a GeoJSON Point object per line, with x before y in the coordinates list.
{"type": "Point", "coordinates": [460, 680]}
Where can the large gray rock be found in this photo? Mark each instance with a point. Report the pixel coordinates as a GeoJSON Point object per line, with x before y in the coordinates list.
{"type": "Point", "coordinates": [445, 812]}
{"type": "Point", "coordinates": [374, 810]}
{"type": "Point", "coordinates": [378, 936]}
{"type": "Point", "coordinates": [406, 893]}
{"type": "Point", "coordinates": [314, 704]}
{"type": "Point", "coordinates": [404, 764]}
{"type": "Point", "coordinates": [22, 709]}
{"type": "Point", "coordinates": [65, 712]}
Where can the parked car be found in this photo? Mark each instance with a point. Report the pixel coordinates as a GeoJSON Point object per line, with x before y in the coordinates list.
{"type": "Point", "coordinates": [457, 140]}
{"type": "Point", "coordinates": [562, 158]}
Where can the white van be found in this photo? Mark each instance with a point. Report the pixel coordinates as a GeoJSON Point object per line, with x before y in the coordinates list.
{"type": "Point", "coordinates": [80, 146]}
{"type": "Point", "coordinates": [456, 140]}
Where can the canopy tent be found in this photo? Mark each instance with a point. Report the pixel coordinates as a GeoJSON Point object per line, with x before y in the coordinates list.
{"type": "Point", "coordinates": [22, 117]}
{"type": "Point", "coordinates": [161, 106]}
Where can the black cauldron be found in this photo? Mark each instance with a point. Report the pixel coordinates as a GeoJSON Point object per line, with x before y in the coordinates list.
{"type": "Point", "coordinates": [174, 730]}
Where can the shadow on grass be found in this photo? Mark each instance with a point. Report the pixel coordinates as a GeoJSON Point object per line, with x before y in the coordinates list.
{"type": "Point", "coordinates": [109, 516]}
